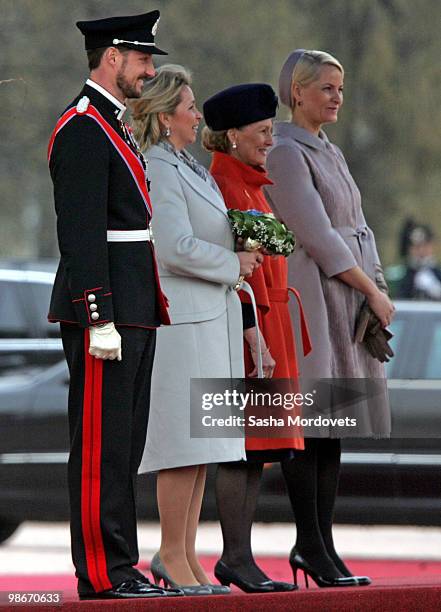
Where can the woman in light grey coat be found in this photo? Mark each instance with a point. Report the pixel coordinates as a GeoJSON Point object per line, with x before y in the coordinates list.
{"type": "Point", "coordinates": [334, 268]}
{"type": "Point", "coordinates": [198, 269]}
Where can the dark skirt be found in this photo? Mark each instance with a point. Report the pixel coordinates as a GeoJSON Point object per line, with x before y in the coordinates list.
{"type": "Point", "coordinates": [270, 455]}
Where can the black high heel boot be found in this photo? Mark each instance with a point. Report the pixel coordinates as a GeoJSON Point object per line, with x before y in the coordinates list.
{"type": "Point", "coordinates": [362, 580]}
{"type": "Point", "coordinates": [226, 575]}
{"type": "Point", "coordinates": [297, 562]}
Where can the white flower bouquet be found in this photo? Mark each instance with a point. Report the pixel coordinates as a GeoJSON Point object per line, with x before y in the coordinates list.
{"type": "Point", "coordinates": [260, 230]}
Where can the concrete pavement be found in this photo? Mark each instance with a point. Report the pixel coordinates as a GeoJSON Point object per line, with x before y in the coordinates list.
{"type": "Point", "coordinates": [44, 548]}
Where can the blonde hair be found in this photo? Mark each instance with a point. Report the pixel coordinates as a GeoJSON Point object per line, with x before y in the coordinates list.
{"type": "Point", "coordinates": [162, 95]}
{"type": "Point", "coordinates": [215, 140]}
{"type": "Point", "coordinates": [308, 66]}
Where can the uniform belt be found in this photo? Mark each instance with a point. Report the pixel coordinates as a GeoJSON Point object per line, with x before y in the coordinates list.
{"type": "Point", "coordinates": [128, 235]}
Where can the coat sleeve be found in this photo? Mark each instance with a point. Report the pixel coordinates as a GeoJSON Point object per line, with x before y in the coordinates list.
{"type": "Point", "coordinates": [371, 238]}
{"type": "Point", "coordinates": [79, 168]}
{"type": "Point", "coordinates": [298, 203]}
{"type": "Point", "coordinates": [178, 249]}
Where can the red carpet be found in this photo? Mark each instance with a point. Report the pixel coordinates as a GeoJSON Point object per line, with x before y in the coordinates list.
{"type": "Point", "coordinates": [398, 586]}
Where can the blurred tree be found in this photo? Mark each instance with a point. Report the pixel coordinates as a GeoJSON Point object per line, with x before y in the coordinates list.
{"type": "Point", "coordinates": [388, 128]}
{"type": "Point", "coordinates": [393, 84]}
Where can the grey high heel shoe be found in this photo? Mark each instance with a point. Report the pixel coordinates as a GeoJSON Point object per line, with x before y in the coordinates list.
{"type": "Point", "coordinates": [160, 573]}
{"type": "Point", "coordinates": [218, 589]}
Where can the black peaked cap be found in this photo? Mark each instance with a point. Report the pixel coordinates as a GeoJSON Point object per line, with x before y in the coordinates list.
{"type": "Point", "coordinates": [134, 31]}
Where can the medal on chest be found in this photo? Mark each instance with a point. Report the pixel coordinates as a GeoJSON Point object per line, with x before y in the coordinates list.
{"type": "Point", "coordinates": [131, 141]}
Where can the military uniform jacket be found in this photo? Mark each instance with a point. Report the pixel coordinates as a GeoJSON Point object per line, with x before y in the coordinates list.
{"type": "Point", "coordinates": [94, 191]}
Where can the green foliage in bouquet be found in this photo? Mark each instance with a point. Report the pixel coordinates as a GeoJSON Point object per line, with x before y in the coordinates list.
{"type": "Point", "coordinates": [262, 230]}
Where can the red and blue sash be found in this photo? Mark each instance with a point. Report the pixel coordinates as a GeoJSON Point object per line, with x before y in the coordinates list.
{"type": "Point", "coordinates": [131, 160]}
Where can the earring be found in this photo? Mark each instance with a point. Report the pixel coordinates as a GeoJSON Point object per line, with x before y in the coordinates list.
{"type": "Point", "coordinates": [167, 132]}
{"type": "Point", "coordinates": [299, 103]}
{"type": "Point", "coordinates": [234, 145]}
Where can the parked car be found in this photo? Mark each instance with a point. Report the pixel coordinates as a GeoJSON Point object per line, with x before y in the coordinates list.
{"type": "Point", "coordinates": [393, 480]}
{"type": "Point", "coordinates": [26, 337]}
{"type": "Point", "coordinates": [382, 481]}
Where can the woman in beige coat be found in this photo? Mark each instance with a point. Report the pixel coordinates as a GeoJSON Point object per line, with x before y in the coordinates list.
{"type": "Point", "coordinates": [334, 268]}
{"type": "Point", "coordinates": [198, 269]}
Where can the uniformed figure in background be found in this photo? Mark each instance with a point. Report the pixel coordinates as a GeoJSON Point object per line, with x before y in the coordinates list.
{"type": "Point", "coordinates": [420, 277]}
{"type": "Point", "coordinates": [109, 303]}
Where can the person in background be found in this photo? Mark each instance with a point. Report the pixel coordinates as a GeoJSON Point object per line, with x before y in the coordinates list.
{"type": "Point", "coordinates": [239, 134]}
{"type": "Point", "coordinates": [199, 269]}
{"type": "Point", "coordinates": [334, 268]}
{"type": "Point", "coordinates": [421, 278]}
{"type": "Point", "coordinates": [109, 302]}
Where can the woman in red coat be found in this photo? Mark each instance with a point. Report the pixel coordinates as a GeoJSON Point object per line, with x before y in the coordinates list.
{"type": "Point", "coordinates": [239, 134]}
{"type": "Point", "coordinates": [241, 186]}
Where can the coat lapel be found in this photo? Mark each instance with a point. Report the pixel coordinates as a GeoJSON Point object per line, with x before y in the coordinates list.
{"type": "Point", "coordinates": [201, 187]}
{"type": "Point", "coordinates": [191, 179]}
{"type": "Point", "coordinates": [286, 129]}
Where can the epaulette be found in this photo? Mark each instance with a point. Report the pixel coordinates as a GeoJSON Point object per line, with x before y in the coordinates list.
{"type": "Point", "coordinates": [83, 105]}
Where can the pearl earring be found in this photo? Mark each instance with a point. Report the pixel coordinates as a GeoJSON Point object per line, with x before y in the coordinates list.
{"type": "Point", "coordinates": [234, 145]}
{"type": "Point", "coordinates": [167, 132]}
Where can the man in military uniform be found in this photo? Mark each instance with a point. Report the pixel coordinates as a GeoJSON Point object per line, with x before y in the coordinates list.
{"type": "Point", "coordinates": [109, 302]}
{"type": "Point", "coordinates": [419, 278]}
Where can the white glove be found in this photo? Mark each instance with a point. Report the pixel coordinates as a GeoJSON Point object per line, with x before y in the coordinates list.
{"type": "Point", "coordinates": [426, 281]}
{"type": "Point", "coordinates": [105, 342]}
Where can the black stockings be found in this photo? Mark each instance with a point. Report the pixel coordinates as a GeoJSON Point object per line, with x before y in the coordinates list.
{"type": "Point", "coordinates": [237, 489]}
{"type": "Point", "coordinates": [312, 481]}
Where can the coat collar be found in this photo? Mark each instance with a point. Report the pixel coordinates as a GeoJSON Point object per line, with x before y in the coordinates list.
{"type": "Point", "coordinates": [227, 165]}
{"type": "Point", "coordinates": [190, 177]}
{"type": "Point", "coordinates": [286, 129]}
{"type": "Point", "coordinates": [119, 105]}
{"type": "Point", "coordinates": [102, 102]}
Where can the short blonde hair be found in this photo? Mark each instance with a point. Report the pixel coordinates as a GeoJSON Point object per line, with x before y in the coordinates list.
{"type": "Point", "coordinates": [215, 140]}
{"type": "Point", "coordinates": [308, 67]}
{"type": "Point", "coordinates": [162, 95]}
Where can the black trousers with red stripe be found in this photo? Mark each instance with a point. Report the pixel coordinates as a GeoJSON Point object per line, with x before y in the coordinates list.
{"type": "Point", "coordinates": [108, 414]}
